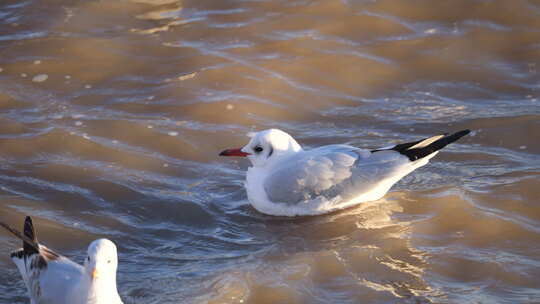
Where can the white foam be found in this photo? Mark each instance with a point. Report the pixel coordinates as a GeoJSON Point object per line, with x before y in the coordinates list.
{"type": "Point", "coordinates": [40, 78]}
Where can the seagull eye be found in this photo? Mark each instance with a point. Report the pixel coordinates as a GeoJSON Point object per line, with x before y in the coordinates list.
{"type": "Point", "coordinates": [109, 261]}
{"type": "Point", "coordinates": [258, 149]}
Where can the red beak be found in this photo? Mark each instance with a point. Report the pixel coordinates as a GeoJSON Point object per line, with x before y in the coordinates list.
{"type": "Point", "coordinates": [233, 152]}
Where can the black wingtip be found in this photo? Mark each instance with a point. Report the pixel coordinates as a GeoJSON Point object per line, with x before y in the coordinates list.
{"type": "Point", "coordinates": [461, 133]}
{"type": "Point", "coordinates": [30, 245]}
{"type": "Point", "coordinates": [441, 143]}
{"type": "Point", "coordinates": [418, 153]}
{"type": "Point", "coordinates": [415, 154]}
{"type": "Point", "coordinates": [465, 132]}
{"type": "Point", "coordinates": [30, 233]}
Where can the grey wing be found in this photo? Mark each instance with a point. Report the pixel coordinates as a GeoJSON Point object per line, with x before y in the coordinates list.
{"type": "Point", "coordinates": [29, 273]}
{"type": "Point", "coordinates": [30, 266]}
{"type": "Point", "coordinates": [46, 274]}
{"type": "Point", "coordinates": [61, 281]}
{"type": "Point", "coordinates": [319, 172]}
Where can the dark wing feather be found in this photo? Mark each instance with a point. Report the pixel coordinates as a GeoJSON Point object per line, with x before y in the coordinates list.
{"type": "Point", "coordinates": [30, 233]}
{"type": "Point", "coordinates": [30, 243]}
{"type": "Point", "coordinates": [422, 148]}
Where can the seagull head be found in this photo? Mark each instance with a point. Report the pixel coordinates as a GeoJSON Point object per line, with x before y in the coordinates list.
{"type": "Point", "coordinates": [265, 147]}
{"type": "Point", "coordinates": [102, 261]}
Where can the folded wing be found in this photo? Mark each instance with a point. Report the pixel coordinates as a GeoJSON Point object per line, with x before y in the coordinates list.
{"type": "Point", "coordinates": [319, 172]}
{"type": "Point", "coordinates": [49, 277]}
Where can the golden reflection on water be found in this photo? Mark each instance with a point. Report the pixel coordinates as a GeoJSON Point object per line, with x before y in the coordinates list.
{"type": "Point", "coordinates": [366, 246]}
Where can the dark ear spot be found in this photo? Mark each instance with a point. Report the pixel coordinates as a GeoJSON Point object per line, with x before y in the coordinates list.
{"type": "Point", "coordinates": [271, 151]}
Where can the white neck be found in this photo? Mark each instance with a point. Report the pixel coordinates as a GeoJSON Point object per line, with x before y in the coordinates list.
{"type": "Point", "coordinates": [103, 291]}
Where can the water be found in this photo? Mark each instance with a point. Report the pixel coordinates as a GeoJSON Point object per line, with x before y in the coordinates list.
{"type": "Point", "coordinates": [120, 137]}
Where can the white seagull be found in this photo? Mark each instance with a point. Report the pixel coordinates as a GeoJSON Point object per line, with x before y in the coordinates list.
{"type": "Point", "coordinates": [54, 279]}
{"type": "Point", "coordinates": [289, 181]}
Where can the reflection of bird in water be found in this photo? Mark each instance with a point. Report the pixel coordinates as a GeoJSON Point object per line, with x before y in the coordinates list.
{"type": "Point", "coordinates": [54, 279]}
{"type": "Point", "coordinates": [287, 180]}
{"type": "Point", "coordinates": [383, 242]}
{"type": "Point", "coordinates": [376, 214]}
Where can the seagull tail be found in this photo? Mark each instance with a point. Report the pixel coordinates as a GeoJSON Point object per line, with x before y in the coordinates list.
{"type": "Point", "coordinates": [30, 245]}
{"type": "Point", "coordinates": [30, 233]}
{"type": "Point", "coordinates": [422, 148]}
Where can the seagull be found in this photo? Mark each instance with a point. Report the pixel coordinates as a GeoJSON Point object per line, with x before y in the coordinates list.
{"type": "Point", "coordinates": [286, 180]}
{"type": "Point", "coordinates": [54, 279]}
